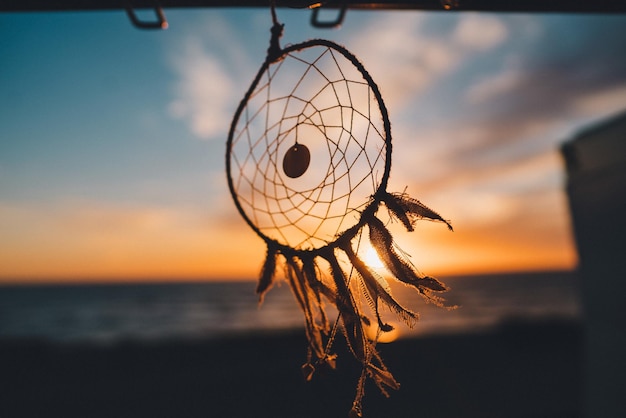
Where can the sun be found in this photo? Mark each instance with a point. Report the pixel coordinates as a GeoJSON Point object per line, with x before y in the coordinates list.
{"type": "Point", "coordinates": [372, 260]}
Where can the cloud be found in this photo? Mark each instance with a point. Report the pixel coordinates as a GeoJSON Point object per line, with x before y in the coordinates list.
{"type": "Point", "coordinates": [550, 86]}
{"type": "Point", "coordinates": [522, 102]}
{"type": "Point", "coordinates": [203, 91]}
{"type": "Point", "coordinates": [209, 63]}
{"type": "Point", "coordinates": [493, 86]}
{"type": "Point", "coordinates": [479, 32]}
{"type": "Point", "coordinates": [401, 63]}
{"type": "Point", "coordinates": [407, 56]}
{"type": "Point", "coordinates": [609, 100]}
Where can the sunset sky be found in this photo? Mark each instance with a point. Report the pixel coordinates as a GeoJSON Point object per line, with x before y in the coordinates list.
{"type": "Point", "coordinates": [112, 139]}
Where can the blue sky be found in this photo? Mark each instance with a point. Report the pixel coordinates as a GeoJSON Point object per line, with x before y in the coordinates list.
{"type": "Point", "coordinates": [112, 139]}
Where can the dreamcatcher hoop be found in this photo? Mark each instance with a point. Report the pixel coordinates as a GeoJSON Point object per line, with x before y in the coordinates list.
{"type": "Point", "coordinates": [277, 57]}
{"type": "Point", "coordinates": [281, 199]}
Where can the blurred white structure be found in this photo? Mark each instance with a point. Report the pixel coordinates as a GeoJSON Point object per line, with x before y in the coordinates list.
{"type": "Point", "coordinates": [596, 167]}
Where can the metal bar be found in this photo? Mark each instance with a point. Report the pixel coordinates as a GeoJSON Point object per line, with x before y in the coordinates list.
{"type": "Point", "coordinates": [531, 6]}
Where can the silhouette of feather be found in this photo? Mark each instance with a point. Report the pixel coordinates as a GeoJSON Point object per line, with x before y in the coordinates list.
{"type": "Point", "coordinates": [382, 241]}
{"type": "Point", "coordinates": [379, 290]}
{"type": "Point", "coordinates": [383, 378]}
{"type": "Point", "coordinates": [397, 210]}
{"type": "Point", "coordinates": [267, 273]}
{"type": "Point", "coordinates": [310, 272]}
{"type": "Point", "coordinates": [303, 295]}
{"type": "Point", "coordinates": [408, 210]}
{"type": "Point", "coordinates": [352, 326]}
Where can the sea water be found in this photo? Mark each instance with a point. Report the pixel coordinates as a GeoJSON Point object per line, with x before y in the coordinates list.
{"type": "Point", "coordinates": [116, 312]}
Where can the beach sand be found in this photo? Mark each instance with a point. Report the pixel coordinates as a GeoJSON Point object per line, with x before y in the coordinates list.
{"type": "Point", "coordinates": [519, 370]}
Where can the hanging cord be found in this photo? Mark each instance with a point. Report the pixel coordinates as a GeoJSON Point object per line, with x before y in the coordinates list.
{"type": "Point", "coordinates": [273, 10]}
{"type": "Point", "coordinates": [274, 52]}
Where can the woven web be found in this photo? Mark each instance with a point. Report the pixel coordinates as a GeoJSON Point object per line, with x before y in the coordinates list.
{"type": "Point", "coordinates": [318, 98]}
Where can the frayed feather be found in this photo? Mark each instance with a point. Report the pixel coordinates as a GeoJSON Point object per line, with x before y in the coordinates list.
{"type": "Point", "coordinates": [318, 288]}
{"type": "Point", "coordinates": [383, 378]}
{"type": "Point", "coordinates": [304, 295]}
{"type": "Point", "coordinates": [408, 210]}
{"type": "Point", "coordinates": [267, 273]}
{"type": "Point", "coordinates": [377, 290]}
{"type": "Point", "coordinates": [352, 326]}
{"type": "Point", "coordinates": [382, 241]}
{"type": "Point", "coordinates": [398, 211]}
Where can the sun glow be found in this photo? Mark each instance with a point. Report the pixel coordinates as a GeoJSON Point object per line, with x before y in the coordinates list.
{"type": "Point", "coordinates": [373, 333]}
{"type": "Point", "coordinates": [372, 260]}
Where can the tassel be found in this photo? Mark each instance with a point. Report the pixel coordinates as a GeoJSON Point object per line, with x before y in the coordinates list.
{"type": "Point", "coordinates": [408, 210]}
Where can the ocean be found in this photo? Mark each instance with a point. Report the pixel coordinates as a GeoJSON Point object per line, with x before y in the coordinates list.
{"type": "Point", "coordinates": [110, 313]}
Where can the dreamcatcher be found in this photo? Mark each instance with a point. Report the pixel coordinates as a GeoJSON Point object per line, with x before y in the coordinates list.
{"type": "Point", "coordinates": [308, 161]}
